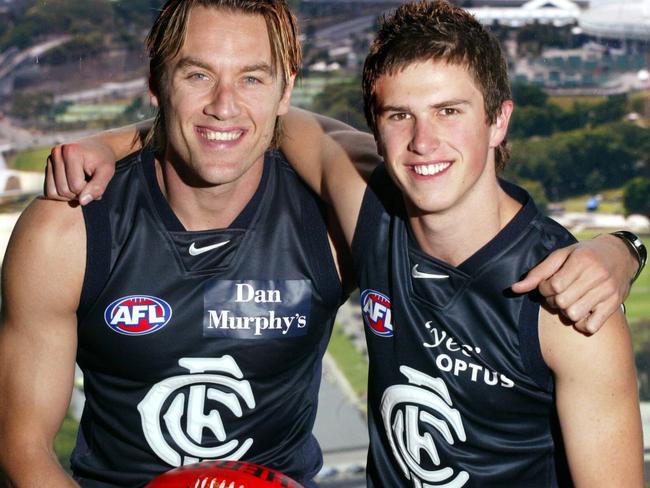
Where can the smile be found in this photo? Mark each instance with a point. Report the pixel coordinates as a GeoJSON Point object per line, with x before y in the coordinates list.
{"type": "Point", "coordinates": [213, 135]}
{"type": "Point", "coordinates": [430, 169]}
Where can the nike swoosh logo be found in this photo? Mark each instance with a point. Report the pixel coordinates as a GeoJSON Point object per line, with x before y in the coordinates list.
{"type": "Point", "coordinates": [195, 251]}
{"type": "Point", "coordinates": [429, 276]}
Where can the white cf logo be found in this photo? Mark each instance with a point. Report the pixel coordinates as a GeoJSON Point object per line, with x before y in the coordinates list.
{"type": "Point", "coordinates": [188, 440]}
{"type": "Point", "coordinates": [400, 410]}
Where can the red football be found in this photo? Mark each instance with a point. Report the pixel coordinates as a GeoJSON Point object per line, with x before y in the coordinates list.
{"type": "Point", "coordinates": [223, 474]}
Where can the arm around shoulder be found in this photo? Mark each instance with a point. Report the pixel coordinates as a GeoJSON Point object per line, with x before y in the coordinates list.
{"type": "Point", "coordinates": [42, 277]}
{"type": "Point", "coordinates": [597, 401]}
{"type": "Point", "coordinates": [82, 169]}
{"type": "Point", "coordinates": [326, 162]}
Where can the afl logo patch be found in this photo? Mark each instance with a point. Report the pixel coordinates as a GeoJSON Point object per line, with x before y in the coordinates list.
{"type": "Point", "coordinates": [376, 312]}
{"type": "Point", "coordinates": [137, 314]}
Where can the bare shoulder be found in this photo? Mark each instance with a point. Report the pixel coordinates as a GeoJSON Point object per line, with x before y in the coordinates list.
{"type": "Point", "coordinates": [566, 349]}
{"type": "Point", "coordinates": [47, 228]}
{"type": "Point", "coordinates": [46, 255]}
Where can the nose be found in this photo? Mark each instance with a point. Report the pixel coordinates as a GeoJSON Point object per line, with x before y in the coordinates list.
{"type": "Point", "coordinates": [424, 138]}
{"type": "Point", "coordinates": [223, 103]}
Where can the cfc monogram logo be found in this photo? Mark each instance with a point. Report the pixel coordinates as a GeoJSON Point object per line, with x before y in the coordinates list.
{"type": "Point", "coordinates": [422, 405]}
{"type": "Point", "coordinates": [184, 420]}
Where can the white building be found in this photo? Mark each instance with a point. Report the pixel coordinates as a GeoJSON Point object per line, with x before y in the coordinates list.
{"type": "Point", "coordinates": [555, 12]}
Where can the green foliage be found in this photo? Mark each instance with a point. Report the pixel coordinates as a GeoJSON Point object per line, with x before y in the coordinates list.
{"type": "Point", "coordinates": [535, 116]}
{"type": "Point", "coordinates": [31, 159]}
{"type": "Point", "coordinates": [525, 94]}
{"type": "Point", "coordinates": [613, 108]}
{"type": "Point", "coordinates": [342, 101]}
{"type": "Point", "coordinates": [641, 341]}
{"type": "Point", "coordinates": [581, 161]}
{"type": "Point", "coordinates": [532, 120]}
{"type": "Point", "coordinates": [92, 23]}
{"type": "Point", "coordinates": [65, 441]}
{"type": "Point", "coordinates": [636, 196]}
{"type": "Point", "coordinates": [537, 192]}
{"type": "Point", "coordinates": [351, 362]}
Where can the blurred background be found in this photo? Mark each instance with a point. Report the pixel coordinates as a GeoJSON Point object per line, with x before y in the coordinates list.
{"type": "Point", "coordinates": [579, 134]}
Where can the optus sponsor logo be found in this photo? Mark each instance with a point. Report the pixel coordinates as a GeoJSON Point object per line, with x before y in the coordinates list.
{"type": "Point", "coordinates": [137, 314]}
{"type": "Point", "coordinates": [376, 312]}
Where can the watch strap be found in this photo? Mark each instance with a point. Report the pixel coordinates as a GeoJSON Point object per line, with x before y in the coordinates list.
{"type": "Point", "coordinates": [636, 247]}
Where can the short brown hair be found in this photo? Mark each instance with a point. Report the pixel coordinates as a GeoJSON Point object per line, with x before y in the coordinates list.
{"type": "Point", "coordinates": [438, 31]}
{"type": "Point", "coordinates": [167, 35]}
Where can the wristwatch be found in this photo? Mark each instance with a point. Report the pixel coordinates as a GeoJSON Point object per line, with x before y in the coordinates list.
{"type": "Point", "coordinates": [636, 246]}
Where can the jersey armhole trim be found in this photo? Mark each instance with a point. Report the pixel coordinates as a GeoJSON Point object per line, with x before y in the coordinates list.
{"type": "Point", "coordinates": [529, 345]}
{"type": "Point", "coordinates": [370, 213]}
{"type": "Point", "coordinates": [314, 218]}
{"type": "Point", "coordinates": [98, 255]}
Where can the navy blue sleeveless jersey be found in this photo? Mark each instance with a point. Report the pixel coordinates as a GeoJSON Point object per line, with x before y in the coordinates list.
{"type": "Point", "coordinates": [202, 345]}
{"type": "Point", "coordinates": [459, 394]}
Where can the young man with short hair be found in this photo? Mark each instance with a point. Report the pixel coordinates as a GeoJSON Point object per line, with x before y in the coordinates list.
{"type": "Point", "coordinates": [470, 384]}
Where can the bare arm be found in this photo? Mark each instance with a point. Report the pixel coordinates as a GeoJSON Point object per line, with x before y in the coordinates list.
{"type": "Point", "coordinates": [597, 401]}
{"type": "Point", "coordinates": [325, 162]}
{"type": "Point", "coordinates": [41, 282]}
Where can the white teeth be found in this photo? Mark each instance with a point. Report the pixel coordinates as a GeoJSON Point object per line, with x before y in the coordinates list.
{"type": "Point", "coordinates": [430, 169]}
{"type": "Point", "coordinates": [222, 136]}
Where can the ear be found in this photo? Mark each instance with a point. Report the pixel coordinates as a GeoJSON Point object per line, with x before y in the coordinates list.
{"type": "Point", "coordinates": [285, 101]}
{"type": "Point", "coordinates": [153, 98]}
{"type": "Point", "coordinates": [499, 128]}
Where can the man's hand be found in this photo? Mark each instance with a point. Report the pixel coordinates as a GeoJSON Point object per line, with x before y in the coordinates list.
{"type": "Point", "coordinates": [79, 171]}
{"type": "Point", "coordinates": [587, 281]}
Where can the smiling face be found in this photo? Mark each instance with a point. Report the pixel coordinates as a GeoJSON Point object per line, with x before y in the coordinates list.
{"type": "Point", "coordinates": [432, 132]}
{"type": "Point", "coordinates": [220, 97]}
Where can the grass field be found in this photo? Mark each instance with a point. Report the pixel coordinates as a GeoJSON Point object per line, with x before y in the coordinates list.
{"type": "Point", "coordinates": [351, 362]}
{"type": "Point", "coordinates": [30, 160]}
{"type": "Point", "coordinates": [612, 202]}
{"type": "Point", "coordinates": [638, 303]}
{"type": "Point", "coordinates": [65, 441]}
{"type": "Point", "coordinates": [567, 102]}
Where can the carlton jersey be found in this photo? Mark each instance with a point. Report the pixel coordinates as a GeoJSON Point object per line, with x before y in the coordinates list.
{"type": "Point", "coordinates": [459, 394]}
{"type": "Point", "coordinates": [202, 345]}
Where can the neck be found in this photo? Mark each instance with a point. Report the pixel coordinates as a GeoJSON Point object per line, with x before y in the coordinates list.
{"type": "Point", "coordinates": [456, 234]}
{"type": "Point", "coordinates": [205, 207]}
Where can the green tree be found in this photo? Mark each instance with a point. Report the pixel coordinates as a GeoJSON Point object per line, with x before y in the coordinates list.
{"type": "Point", "coordinates": [636, 196]}
{"type": "Point", "coordinates": [532, 120]}
{"type": "Point", "coordinates": [342, 101]}
{"type": "Point", "coordinates": [525, 94]}
{"type": "Point", "coordinates": [612, 109]}
{"type": "Point", "coordinates": [537, 192]}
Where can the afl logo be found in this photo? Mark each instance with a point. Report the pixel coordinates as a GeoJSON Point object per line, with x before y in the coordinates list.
{"type": "Point", "coordinates": [137, 315]}
{"type": "Point", "coordinates": [376, 312]}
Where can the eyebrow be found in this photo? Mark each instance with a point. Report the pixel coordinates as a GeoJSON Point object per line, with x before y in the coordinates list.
{"type": "Point", "coordinates": [189, 62]}
{"type": "Point", "coordinates": [403, 108]}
